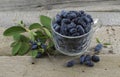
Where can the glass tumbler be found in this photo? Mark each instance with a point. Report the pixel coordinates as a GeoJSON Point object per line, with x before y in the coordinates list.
{"type": "Point", "coordinates": [73, 46]}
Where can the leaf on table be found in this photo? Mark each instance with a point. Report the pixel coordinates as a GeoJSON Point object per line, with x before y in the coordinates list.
{"type": "Point", "coordinates": [45, 21]}
{"type": "Point", "coordinates": [106, 43]}
{"type": "Point", "coordinates": [14, 30]}
{"type": "Point", "coordinates": [16, 48]}
{"type": "Point", "coordinates": [34, 26]}
{"type": "Point", "coordinates": [23, 38]}
{"type": "Point", "coordinates": [98, 41]}
{"type": "Point", "coordinates": [33, 53]}
{"type": "Point", "coordinates": [23, 49]}
{"type": "Point", "coordinates": [13, 44]}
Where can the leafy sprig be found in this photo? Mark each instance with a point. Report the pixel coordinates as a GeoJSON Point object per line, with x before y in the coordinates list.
{"type": "Point", "coordinates": [21, 44]}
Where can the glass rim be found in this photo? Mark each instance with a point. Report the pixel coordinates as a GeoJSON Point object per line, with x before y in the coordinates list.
{"type": "Point", "coordinates": [70, 36]}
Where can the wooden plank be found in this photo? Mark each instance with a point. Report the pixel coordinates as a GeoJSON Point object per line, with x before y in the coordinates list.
{"type": "Point", "coordinates": [109, 34]}
{"type": "Point", "coordinates": [109, 66]}
{"type": "Point", "coordinates": [10, 18]}
{"type": "Point", "coordinates": [37, 5]}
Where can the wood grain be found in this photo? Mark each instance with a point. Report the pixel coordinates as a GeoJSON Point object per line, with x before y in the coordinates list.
{"type": "Point", "coordinates": [109, 66]}
{"type": "Point", "coordinates": [37, 5]}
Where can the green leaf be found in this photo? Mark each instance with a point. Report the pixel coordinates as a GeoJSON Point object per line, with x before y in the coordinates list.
{"type": "Point", "coordinates": [13, 44]}
{"type": "Point", "coordinates": [34, 53]}
{"type": "Point", "coordinates": [16, 48]}
{"type": "Point", "coordinates": [45, 21]}
{"type": "Point", "coordinates": [24, 48]}
{"type": "Point", "coordinates": [34, 26]}
{"type": "Point", "coordinates": [106, 43]}
{"type": "Point", "coordinates": [24, 38]}
{"type": "Point", "coordinates": [47, 32]}
{"type": "Point", "coordinates": [16, 37]}
{"type": "Point", "coordinates": [98, 41]}
{"type": "Point", "coordinates": [14, 30]}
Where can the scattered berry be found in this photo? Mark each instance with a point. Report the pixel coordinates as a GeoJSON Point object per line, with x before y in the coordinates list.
{"type": "Point", "coordinates": [82, 59]}
{"type": "Point", "coordinates": [95, 58]}
{"type": "Point", "coordinates": [89, 63]}
{"type": "Point", "coordinates": [70, 63]}
{"type": "Point", "coordinates": [88, 58]}
{"type": "Point", "coordinates": [98, 47]}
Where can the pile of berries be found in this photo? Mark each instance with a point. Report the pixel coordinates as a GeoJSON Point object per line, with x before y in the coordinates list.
{"type": "Point", "coordinates": [36, 45]}
{"type": "Point", "coordinates": [88, 60]}
{"type": "Point", "coordinates": [72, 23]}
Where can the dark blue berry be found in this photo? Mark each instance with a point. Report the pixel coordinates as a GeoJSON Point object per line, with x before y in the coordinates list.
{"type": "Point", "coordinates": [43, 46]}
{"type": "Point", "coordinates": [63, 14]}
{"type": "Point", "coordinates": [80, 29]}
{"type": "Point", "coordinates": [71, 15]}
{"type": "Point", "coordinates": [95, 58]}
{"type": "Point", "coordinates": [81, 12]}
{"type": "Point", "coordinates": [89, 63]}
{"type": "Point", "coordinates": [71, 25]}
{"type": "Point", "coordinates": [73, 30]}
{"type": "Point", "coordinates": [63, 30]}
{"type": "Point", "coordinates": [39, 55]}
{"type": "Point", "coordinates": [82, 59]}
{"type": "Point", "coordinates": [88, 58]}
{"type": "Point", "coordinates": [54, 25]}
{"type": "Point", "coordinates": [87, 20]}
{"type": "Point", "coordinates": [98, 47]}
{"type": "Point", "coordinates": [66, 21]}
{"type": "Point", "coordinates": [75, 20]}
{"type": "Point", "coordinates": [70, 63]}
{"type": "Point", "coordinates": [82, 23]}
{"type": "Point", "coordinates": [58, 19]}
{"type": "Point", "coordinates": [57, 28]}
{"type": "Point", "coordinates": [34, 47]}
{"type": "Point", "coordinates": [88, 28]}
{"type": "Point", "coordinates": [89, 16]}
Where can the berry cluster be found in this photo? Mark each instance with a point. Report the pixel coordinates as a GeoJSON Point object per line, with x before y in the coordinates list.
{"type": "Point", "coordinates": [85, 59]}
{"type": "Point", "coordinates": [88, 60]}
{"type": "Point", "coordinates": [36, 45]}
{"type": "Point", "coordinates": [72, 23]}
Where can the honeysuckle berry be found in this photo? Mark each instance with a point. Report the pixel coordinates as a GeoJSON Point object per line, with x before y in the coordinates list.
{"type": "Point", "coordinates": [98, 48]}
{"type": "Point", "coordinates": [95, 58]}
{"type": "Point", "coordinates": [70, 63]}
